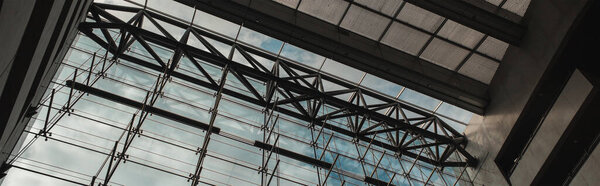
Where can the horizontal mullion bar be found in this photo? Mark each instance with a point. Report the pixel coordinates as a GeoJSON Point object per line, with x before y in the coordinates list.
{"type": "Point", "coordinates": [267, 56]}
{"type": "Point", "coordinates": [136, 104]}
{"type": "Point", "coordinates": [172, 44]}
{"type": "Point", "coordinates": [293, 155]}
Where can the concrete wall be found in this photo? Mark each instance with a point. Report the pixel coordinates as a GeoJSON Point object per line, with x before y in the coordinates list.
{"type": "Point", "coordinates": [35, 38]}
{"type": "Point", "coordinates": [552, 128]}
{"type": "Point", "coordinates": [13, 16]}
{"type": "Point", "coordinates": [518, 74]}
{"type": "Point", "coordinates": [588, 174]}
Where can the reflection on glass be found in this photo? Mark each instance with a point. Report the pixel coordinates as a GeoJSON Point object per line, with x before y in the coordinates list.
{"type": "Point", "coordinates": [343, 71]}
{"type": "Point", "coordinates": [381, 85]}
{"type": "Point", "coordinates": [260, 40]}
{"type": "Point", "coordinates": [166, 151]}
{"type": "Point", "coordinates": [454, 112]}
{"type": "Point", "coordinates": [419, 99]}
{"type": "Point", "coordinates": [302, 56]}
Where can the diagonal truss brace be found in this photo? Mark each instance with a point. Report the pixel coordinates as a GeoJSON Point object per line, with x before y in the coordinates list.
{"type": "Point", "coordinates": [290, 86]}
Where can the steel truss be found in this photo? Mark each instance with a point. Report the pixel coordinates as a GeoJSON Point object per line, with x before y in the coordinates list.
{"type": "Point", "coordinates": [385, 124]}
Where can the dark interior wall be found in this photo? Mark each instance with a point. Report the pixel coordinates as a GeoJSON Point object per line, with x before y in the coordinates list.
{"type": "Point", "coordinates": [13, 16]}
{"type": "Point", "coordinates": [548, 23]}
{"type": "Point", "coordinates": [547, 137]}
{"type": "Point", "coordinates": [35, 37]}
{"type": "Point", "coordinates": [575, 158]}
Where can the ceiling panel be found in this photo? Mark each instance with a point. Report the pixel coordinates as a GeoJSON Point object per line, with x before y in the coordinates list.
{"type": "Point", "coordinates": [405, 38]}
{"type": "Point", "coordinates": [387, 7]}
{"type": "Point", "coordinates": [517, 6]}
{"type": "Point", "coordinates": [444, 54]}
{"type": "Point", "coordinates": [420, 17]}
{"type": "Point", "coordinates": [460, 34]}
{"type": "Point", "coordinates": [290, 3]}
{"type": "Point", "coordinates": [364, 22]}
{"type": "Point", "coordinates": [328, 10]}
{"type": "Point", "coordinates": [479, 68]}
{"type": "Point", "coordinates": [493, 48]}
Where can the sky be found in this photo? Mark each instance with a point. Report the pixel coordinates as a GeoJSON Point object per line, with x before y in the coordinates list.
{"type": "Point", "coordinates": [235, 117]}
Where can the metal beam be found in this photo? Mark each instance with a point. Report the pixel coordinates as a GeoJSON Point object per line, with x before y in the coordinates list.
{"type": "Point", "coordinates": [136, 104]}
{"type": "Point", "coordinates": [331, 127]}
{"type": "Point", "coordinates": [375, 181]}
{"type": "Point", "coordinates": [323, 38]}
{"type": "Point", "coordinates": [318, 95]}
{"type": "Point", "coordinates": [290, 86]}
{"type": "Point", "coordinates": [293, 155]}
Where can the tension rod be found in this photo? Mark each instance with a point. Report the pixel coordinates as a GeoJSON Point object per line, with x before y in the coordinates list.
{"type": "Point", "coordinates": [67, 108]}
{"type": "Point", "coordinates": [273, 173]}
{"type": "Point", "coordinates": [270, 153]}
{"type": "Point", "coordinates": [45, 130]}
{"type": "Point", "coordinates": [87, 82]}
{"type": "Point", "coordinates": [330, 169]}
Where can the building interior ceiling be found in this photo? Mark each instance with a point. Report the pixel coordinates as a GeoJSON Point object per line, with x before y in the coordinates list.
{"type": "Point", "coordinates": [224, 104]}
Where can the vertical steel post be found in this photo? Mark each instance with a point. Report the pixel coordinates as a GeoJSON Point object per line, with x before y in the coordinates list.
{"type": "Point", "coordinates": [330, 169]}
{"type": "Point", "coordinates": [273, 173]}
{"type": "Point", "coordinates": [68, 106]}
{"type": "Point", "coordinates": [45, 131]}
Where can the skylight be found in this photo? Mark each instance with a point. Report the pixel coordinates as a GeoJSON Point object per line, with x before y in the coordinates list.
{"type": "Point", "coordinates": [80, 135]}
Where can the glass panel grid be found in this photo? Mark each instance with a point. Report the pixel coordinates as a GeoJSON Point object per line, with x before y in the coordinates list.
{"type": "Point", "coordinates": [167, 150]}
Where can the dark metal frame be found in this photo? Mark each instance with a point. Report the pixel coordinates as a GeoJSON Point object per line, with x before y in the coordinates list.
{"type": "Point", "coordinates": [405, 135]}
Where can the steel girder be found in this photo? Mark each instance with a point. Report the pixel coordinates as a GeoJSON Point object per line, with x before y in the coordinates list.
{"type": "Point", "coordinates": [302, 96]}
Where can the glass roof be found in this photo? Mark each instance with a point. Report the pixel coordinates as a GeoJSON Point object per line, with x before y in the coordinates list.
{"type": "Point", "coordinates": [166, 151]}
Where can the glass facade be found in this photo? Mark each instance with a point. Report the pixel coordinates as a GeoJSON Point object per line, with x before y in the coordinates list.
{"type": "Point", "coordinates": [142, 113]}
